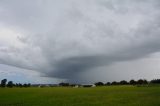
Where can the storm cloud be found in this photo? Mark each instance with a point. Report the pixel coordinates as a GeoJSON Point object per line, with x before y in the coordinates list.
{"type": "Point", "coordinates": [68, 39]}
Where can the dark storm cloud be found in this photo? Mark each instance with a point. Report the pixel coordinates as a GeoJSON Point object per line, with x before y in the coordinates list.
{"type": "Point", "coordinates": [66, 39]}
{"type": "Point", "coordinates": [70, 67]}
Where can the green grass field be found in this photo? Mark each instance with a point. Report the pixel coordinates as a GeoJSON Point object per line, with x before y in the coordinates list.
{"type": "Point", "coordinates": [98, 96]}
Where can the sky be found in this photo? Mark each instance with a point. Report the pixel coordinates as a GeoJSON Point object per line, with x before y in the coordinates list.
{"type": "Point", "coordinates": [79, 41]}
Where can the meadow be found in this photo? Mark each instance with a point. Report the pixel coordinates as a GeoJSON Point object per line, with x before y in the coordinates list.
{"type": "Point", "coordinates": [67, 96]}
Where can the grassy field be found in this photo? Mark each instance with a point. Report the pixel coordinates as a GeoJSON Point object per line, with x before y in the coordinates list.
{"type": "Point", "coordinates": [98, 96]}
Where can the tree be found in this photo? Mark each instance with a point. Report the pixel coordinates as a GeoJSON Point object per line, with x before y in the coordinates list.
{"type": "Point", "coordinates": [145, 82]}
{"type": "Point", "coordinates": [99, 83]}
{"type": "Point", "coordinates": [123, 82]}
{"type": "Point", "coordinates": [17, 85]}
{"type": "Point", "coordinates": [108, 83]}
{"type": "Point", "coordinates": [24, 85]}
{"type": "Point", "coordinates": [10, 84]}
{"type": "Point", "coordinates": [155, 81]}
{"type": "Point", "coordinates": [63, 84]}
{"type": "Point", "coordinates": [114, 83]}
{"type": "Point", "coordinates": [29, 85]}
{"type": "Point", "coordinates": [20, 85]}
{"type": "Point", "coordinates": [140, 81]}
{"type": "Point", "coordinates": [3, 82]}
{"type": "Point", "coordinates": [132, 82]}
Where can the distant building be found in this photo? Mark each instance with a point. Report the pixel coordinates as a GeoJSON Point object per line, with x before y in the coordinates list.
{"type": "Point", "coordinates": [88, 85]}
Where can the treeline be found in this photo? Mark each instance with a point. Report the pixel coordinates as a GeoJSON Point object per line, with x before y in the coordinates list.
{"type": "Point", "coordinates": [10, 84]}
{"type": "Point", "coordinates": [123, 82]}
{"type": "Point", "coordinates": [131, 82]}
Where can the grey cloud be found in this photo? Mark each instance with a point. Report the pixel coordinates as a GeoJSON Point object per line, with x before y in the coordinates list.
{"type": "Point", "coordinates": [65, 39]}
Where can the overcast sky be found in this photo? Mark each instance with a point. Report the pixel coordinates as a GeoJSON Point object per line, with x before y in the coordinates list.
{"type": "Point", "coordinates": [79, 41]}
